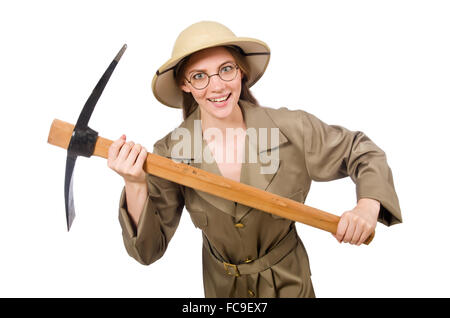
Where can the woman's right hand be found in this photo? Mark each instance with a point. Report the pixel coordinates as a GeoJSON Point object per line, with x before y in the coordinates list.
{"type": "Point", "coordinates": [127, 159]}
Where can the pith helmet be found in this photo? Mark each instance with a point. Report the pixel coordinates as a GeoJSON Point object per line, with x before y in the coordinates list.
{"type": "Point", "coordinates": [200, 36]}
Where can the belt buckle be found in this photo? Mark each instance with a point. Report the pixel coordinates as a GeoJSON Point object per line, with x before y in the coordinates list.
{"type": "Point", "coordinates": [229, 266]}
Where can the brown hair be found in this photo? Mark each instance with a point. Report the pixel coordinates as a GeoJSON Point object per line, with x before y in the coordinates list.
{"type": "Point", "coordinates": [189, 103]}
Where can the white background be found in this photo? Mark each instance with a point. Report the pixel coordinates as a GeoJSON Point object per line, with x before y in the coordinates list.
{"type": "Point", "coordinates": [381, 67]}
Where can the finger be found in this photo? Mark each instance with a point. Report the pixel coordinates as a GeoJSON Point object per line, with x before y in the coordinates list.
{"type": "Point", "coordinates": [125, 151]}
{"type": "Point", "coordinates": [342, 227]}
{"type": "Point", "coordinates": [114, 149]}
{"type": "Point", "coordinates": [132, 156]}
{"type": "Point", "coordinates": [365, 235]}
{"type": "Point", "coordinates": [357, 235]}
{"type": "Point", "coordinates": [141, 158]}
{"type": "Point", "coordinates": [334, 235]}
{"type": "Point", "coordinates": [350, 230]}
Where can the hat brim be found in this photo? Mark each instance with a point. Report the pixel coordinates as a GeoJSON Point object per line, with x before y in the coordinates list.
{"type": "Point", "coordinates": [166, 89]}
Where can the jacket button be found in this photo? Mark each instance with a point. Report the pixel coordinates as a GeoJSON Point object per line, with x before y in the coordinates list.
{"type": "Point", "coordinates": [239, 225]}
{"type": "Point", "coordinates": [251, 293]}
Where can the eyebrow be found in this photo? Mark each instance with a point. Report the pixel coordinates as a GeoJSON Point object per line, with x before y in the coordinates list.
{"type": "Point", "coordinates": [204, 71]}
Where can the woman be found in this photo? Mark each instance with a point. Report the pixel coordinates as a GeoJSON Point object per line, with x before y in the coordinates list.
{"type": "Point", "coordinates": [246, 253]}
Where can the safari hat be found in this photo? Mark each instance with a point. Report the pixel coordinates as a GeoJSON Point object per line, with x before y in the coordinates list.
{"type": "Point", "coordinates": [199, 36]}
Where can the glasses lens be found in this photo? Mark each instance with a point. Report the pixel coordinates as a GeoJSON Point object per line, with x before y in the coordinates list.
{"type": "Point", "coordinates": [228, 72]}
{"type": "Point", "coordinates": [199, 80]}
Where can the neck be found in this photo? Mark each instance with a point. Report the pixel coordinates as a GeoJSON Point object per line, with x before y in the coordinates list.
{"type": "Point", "coordinates": [235, 120]}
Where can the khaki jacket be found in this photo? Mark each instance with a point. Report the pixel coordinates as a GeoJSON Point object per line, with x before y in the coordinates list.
{"type": "Point", "coordinates": [247, 252]}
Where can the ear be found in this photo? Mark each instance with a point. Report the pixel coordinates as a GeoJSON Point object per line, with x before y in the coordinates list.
{"type": "Point", "coordinates": [242, 74]}
{"type": "Point", "coordinates": [185, 88]}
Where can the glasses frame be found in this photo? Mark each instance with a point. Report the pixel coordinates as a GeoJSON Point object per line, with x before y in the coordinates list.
{"type": "Point", "coordinates": [209, 77]}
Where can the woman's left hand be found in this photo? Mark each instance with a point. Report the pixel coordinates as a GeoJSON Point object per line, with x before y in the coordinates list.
{"type": "Point", "coordinates": [356, 225]}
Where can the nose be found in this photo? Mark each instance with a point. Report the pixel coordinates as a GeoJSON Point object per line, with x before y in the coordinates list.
{"type": "Point", "coordinates": [216, 83]}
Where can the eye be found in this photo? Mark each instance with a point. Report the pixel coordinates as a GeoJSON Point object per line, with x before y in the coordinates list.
{"type": "Point", "coordinates": [226, 68]}
{"type": "Point", "coordinates": [198, 76]}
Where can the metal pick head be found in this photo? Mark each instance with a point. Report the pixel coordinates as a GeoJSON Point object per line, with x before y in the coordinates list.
{"type": "Point", "coordinates": [68, 190]}
{"type": "Point", "coordinates": [119, 55]}
{"type": "Point", "coordinates": [84, 138]}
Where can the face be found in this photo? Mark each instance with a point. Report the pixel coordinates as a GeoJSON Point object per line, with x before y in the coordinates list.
{"type": "Point", "coordinates": [220, 97]}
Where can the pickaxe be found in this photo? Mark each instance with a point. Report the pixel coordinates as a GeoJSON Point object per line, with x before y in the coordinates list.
{"type": "Point", "coordinates": [83, 141]}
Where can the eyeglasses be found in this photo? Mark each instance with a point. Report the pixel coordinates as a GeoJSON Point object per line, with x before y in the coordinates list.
{"type": "Point", "coordinates": [227, 73]}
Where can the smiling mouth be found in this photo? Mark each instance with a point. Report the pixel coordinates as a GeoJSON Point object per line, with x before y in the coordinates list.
{"type": "Point", "coordinates": [221, 99]}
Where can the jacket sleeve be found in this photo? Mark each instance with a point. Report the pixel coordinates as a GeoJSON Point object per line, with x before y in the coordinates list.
{"type": "Point", "coordinates": [333, 152]}
{"type": "Point", "coordinates": [158, 222]}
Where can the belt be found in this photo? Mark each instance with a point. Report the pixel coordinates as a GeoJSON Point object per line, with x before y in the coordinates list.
{"type": "Point", "coordinates": [276, 254]}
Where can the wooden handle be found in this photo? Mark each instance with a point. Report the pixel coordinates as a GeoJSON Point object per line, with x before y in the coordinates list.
{"type": "Point", "coordinates": [61, 132]}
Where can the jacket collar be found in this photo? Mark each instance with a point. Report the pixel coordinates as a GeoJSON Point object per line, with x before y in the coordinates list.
{"type": "Point", "coordinates": [257, 122]}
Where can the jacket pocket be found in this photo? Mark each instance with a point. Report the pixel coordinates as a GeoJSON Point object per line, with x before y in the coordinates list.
{"type": "Point", "coordinates": [296, 196]}
{"type": "Point", "coordinates": [199, 219]}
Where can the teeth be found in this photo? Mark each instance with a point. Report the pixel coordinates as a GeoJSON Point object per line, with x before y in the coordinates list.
{"type": "Point", "coordinates": [219, 99]}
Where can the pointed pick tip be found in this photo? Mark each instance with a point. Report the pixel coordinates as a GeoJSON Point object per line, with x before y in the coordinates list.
{"type": "Point", "coordinates": [119, 55]}
{"type": "Point", "coordinates": [70, 221]}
